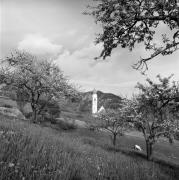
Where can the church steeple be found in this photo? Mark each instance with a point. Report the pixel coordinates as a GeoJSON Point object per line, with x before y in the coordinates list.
{"type": "Point", "coordinates": [94, 91]}
{"type": "Point", "coordinates": [94, 102]}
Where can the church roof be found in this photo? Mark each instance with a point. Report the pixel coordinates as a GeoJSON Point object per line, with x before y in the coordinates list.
{"type": "Point", "coordinates": [101, 109]}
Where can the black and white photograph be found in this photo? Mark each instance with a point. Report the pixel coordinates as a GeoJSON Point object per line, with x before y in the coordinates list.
{"type": "Point", "coordinates": [89, 89]}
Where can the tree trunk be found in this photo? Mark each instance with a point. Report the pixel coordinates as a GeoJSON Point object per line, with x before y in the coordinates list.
{"type": "Point", "coordinates": [34, 116]}
{"type": "Point", "coordinates": [114, 139]}
{"type": "Point", "coordinates": [34, 113]}
{"type": "Point", "coordinates": [149, 149]}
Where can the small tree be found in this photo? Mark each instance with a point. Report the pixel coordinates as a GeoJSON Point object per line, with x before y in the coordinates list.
{"type": "Point", "coordinates": [35, 80]}
{"type": "Point", "coordinates": [114, 122]}
{"type": "Point", "coordinates": [152, 111]}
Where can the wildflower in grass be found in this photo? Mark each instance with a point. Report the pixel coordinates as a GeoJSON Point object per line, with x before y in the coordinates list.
{"type": "Point", "coordinates": [1, 132]}
{"type": "Point", "coordinates": [10, 132]}
{"type": "Point", "coordinates": [99, 170]}
{"type": "Point", "coordinates": [11, 164]}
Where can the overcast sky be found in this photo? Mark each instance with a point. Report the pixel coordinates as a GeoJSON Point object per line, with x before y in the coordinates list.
{"type": "Point", "coordinates": [57, 29]}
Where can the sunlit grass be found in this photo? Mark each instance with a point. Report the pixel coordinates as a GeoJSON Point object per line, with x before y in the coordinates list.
{"type": "Point", "coordinates": [29, 151]}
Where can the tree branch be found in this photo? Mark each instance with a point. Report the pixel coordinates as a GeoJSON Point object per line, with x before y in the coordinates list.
{"type": "Point", "coordinates": [142, 64]}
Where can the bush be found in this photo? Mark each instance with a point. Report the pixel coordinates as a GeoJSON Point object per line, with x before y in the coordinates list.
{"type": "Point", "coordinates": [65, 124]}
{"type": "Point", "coordinates": [28, 115]}
{"type": "Point", "coordinates": [7, 106]}
{"type": "Point", "coordinates": [176, 135]}
{"type": "Point", "coordinates": [50, 112]}
{"type": "Point", "coordinates": [54, 109]}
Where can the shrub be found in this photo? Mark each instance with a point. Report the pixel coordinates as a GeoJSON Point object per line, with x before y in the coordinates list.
{"type": "Point", "coordinates": [65, 124]}
{"type": "Point", "coordinates": [50, 110]}
{"type": "Point", "coordinates": [28, 115]}
{"type": "Point", "coordinates": [176, 135]}
{"type": "Point", "coordinates": [8, 106]}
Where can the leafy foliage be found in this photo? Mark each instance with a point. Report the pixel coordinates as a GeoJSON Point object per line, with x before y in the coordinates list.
{"type": "Point", "coordinates": [128, 22]}
{"type": "Point", "coordinates": [35, 80]}
{"type": "Point", "coordinates": [153, 111]}
{"type": "Point", "coordinates": [114, 122]}
{"type": "Point", "coordinates": [51, 110]}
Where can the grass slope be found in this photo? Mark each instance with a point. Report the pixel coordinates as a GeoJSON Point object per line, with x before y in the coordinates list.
{"type": "Point", "coordinates": [29, 151]}
{"type": "Point", "coordinates": [5, 101]}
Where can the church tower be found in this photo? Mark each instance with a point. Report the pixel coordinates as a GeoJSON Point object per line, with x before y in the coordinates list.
{"type": "Point", "coordinates": [94, 102]}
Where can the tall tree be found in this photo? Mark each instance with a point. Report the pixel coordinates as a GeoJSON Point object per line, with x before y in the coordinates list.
{"type": "Point", "coordinates": [152, 111]}
{"type": "Point", "coordinates": [128, 22]}
{"type": "Point", "coordinates": [35, 80]}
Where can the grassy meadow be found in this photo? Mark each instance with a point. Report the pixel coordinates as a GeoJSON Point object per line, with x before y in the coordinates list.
{"type": "Point", "coordinates": [32, 151]}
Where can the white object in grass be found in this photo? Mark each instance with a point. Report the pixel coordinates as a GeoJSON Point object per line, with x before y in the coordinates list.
{"type": "Point", "coordinates": [137, 147]}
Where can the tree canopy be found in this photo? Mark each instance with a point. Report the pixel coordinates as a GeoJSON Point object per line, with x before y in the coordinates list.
{"type": "Point", "coordinates": [114, 121]}
{"type": "Point", "coordinates": [154, 111]}
{"type": "Point", "coordinates": [35, 80]}
{"type": "Point", "coordinates": [126, 23]}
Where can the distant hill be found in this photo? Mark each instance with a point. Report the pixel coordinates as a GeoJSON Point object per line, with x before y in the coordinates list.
{"type": "Point", "coordinates": [108, 100]}
{"type": "Point", "coordinates": [81, 110]}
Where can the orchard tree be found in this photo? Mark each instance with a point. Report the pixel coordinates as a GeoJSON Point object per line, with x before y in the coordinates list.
{"type": "Point", "coordinates": [127, 22]}
{"type": "Point", "coordinates": [152, 111]}
{"type": "Point", "coordinates": [35, 80]}
{"type": "Point", "coordinates": [114, 122]}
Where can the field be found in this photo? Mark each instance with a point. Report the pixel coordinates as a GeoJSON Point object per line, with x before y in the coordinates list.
{"type": "Point", "coordinates": [31, 151]}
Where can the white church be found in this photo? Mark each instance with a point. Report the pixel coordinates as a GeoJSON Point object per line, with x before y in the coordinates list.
{"type": "Point", "coordinates": [95, 110]}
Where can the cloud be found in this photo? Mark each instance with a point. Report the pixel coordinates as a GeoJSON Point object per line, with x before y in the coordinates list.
{"type": "Point", "coordinates": [39, 45]}
{"type": "Point", "coordinates": [78, 64]}
{"type": "Point", "coordinates": [108, 75]}
{"type": "Point", "coordinates": [114, 74]}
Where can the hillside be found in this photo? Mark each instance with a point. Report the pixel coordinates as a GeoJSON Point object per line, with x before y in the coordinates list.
{"type": "Point", "coordinates": [82, 110]}
{"type": "Point", "coordinates": [30, 151]}
{"type": "Point", "coordinates": [108, 100]}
